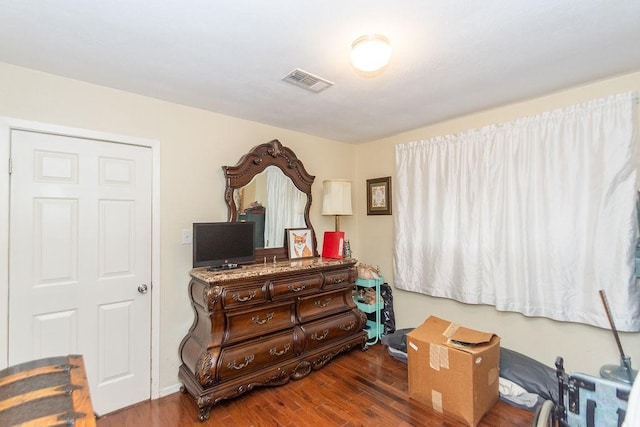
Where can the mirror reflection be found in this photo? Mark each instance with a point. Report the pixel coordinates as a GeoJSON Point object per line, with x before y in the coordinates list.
{"type": "Point", "coordinates": [273, 203]}
{"type": "Point", "coordinates": [271, 186]}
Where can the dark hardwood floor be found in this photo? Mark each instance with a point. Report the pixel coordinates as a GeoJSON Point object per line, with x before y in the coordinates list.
{"type": "Point", "coordinates": [359, 388]}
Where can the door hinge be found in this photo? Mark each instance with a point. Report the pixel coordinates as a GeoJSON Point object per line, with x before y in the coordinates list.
{"type": "Point", "coordinates": [10, 165]}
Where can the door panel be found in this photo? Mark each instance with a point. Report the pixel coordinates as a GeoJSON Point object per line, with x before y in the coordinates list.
{"type": "Point", "coordinates": [79, 247]}
{"type": "Point", "coordinates": [115, 322]}
{"type": "Point", "coordinates": [55, 333]}
{"type": "Point", "coordinates": [117, 235]}
{"type": "Point", "coordinates": [55, 243]}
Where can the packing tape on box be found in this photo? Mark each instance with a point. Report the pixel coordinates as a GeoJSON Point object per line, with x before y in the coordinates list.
{"type": "Point", "coordinates": [493, 375]}
{"type": "Point", "coordinates": [438, 356]}
{"type": "Point", "coordinates": [436, 401]}
{"type": "Point", "coordinates": [451, 330]}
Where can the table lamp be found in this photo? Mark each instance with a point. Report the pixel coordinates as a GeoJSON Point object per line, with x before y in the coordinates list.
{"type": "Point", "coordinates": [336, 198]}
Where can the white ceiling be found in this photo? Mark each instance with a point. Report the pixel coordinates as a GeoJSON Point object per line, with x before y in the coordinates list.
{"type": "Point", "coordinates": [228, 56]}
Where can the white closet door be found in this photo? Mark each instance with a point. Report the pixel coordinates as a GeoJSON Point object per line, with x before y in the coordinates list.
{"type": "Point", "coordinates": [80, 258]}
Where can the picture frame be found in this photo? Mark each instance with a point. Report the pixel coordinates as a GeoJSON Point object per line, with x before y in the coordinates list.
{"type": "Point", "coordinates": [299, 243]}
{"type": "Point", "coordinates": [379, 196]}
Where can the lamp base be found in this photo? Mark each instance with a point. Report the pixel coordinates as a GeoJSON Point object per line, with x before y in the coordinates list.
{"type": "Point", "coordinates": [620, 373]}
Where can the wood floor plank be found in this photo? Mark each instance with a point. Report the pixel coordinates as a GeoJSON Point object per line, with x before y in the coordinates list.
{"type": "Point", "coordinates": [356, 389]}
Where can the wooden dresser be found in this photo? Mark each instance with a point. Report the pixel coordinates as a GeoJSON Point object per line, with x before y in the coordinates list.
{"type": "Point", "coordinates": [264, 324]}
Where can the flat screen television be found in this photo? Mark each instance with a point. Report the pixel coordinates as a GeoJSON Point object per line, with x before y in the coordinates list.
{"type": "Point", "coordinates": [223, 245]}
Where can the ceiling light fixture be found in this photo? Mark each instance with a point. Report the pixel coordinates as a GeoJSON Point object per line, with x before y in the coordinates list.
{"type": "Point", "coordinates": [370, 53]}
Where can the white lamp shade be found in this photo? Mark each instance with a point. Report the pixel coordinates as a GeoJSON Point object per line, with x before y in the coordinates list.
{"type": "Point", "coordinates": [336, 197]}
{"type": "Point", "coordinates": [370, 53]}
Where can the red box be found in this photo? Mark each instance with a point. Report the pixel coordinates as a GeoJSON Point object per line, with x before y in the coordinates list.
{"type": "Point", "coordinates": [333, 244]}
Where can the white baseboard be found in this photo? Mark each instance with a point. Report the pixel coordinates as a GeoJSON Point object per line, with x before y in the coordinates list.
{"type": "Point", "coordinates": [169, 390]}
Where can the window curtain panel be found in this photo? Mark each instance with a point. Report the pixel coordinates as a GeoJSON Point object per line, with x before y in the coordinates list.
{"type": "Point", "coordinates": [533, 216]}
{"type": "Point", "coordinates": [285, 207]}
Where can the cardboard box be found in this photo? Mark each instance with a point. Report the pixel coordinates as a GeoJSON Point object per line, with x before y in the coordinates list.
{"type": "Point", "coordinates": [453, 370]}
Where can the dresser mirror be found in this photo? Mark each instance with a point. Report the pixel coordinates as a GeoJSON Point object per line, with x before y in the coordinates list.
{"type": "Point", "coordinates": [270, 187]}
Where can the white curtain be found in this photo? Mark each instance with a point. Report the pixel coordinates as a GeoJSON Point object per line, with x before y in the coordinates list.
{"type": "Point", "coordinates": [534, 216]}
{"type": "Point", "coordinates": [284, 209]}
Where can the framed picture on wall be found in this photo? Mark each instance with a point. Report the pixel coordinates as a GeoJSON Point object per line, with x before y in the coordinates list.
{"type": "Point", "coordinates": [299, 244]}
{"type": "Point", "coordinates": [379, 196]}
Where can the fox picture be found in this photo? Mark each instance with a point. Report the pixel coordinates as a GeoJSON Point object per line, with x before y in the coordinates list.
{"type": "Point", "coordinates": [300, 247]}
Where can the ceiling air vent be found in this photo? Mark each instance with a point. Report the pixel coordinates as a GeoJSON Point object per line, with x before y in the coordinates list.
{"type": "Point", "coordinates": [307, 81]}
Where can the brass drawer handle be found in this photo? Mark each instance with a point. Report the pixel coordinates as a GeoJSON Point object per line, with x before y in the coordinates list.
{"type": "Point", "coordinates": [257, 321]}
{"type": "Point", "coordinates": [236, 296]}
{"type": "Point", "coordinates": [340, 280]}
{"type": "Point", "coordinates": [317, 337]}
{"type": "Point", "coordinates": [247, 361]}
{"type": "Point", "coordinates": [292, 287]}
{"type": "Point", "coordinates": [274, 350]}
{"type": "Point", "coordinates": [318, 303]}
{"type": "Point", "coordinates": [348, 327]}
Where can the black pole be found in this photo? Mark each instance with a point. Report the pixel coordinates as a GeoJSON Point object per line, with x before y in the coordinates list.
{"type": "Point", "coordinates": [613, 327]}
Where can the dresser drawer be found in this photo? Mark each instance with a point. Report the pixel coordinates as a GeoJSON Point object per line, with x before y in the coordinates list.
{"type": "Point", "coordinates": [320, 332]}
{"type": "Point", "coordinates": [254, 323]}
{"type": "Point", "coordinates": [244, 358]}
{"type": "Point", "coordinates": [244, 295]}
{"type": "Point", "coordinates": [339, 278]}
{"type": "Point", "coordinates": [291, 287]}
{"type": "Point", "coordinates": [315, 306]}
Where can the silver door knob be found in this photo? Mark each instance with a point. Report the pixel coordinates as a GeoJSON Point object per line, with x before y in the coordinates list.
{"type": "Point", "coordinates": [143, 289]}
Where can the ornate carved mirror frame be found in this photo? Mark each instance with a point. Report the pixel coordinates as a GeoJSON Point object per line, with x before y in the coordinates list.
{"type": "Point", "coordinates": [272, 153]}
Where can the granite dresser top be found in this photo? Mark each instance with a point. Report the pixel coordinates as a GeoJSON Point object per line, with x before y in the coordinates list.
{"type": "Point", "coordinates": [267, 268]}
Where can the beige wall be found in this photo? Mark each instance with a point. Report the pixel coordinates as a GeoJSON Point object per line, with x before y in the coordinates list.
{"type": "Point", "coordinates": [584, 348]}
{"type": "Point", "coordinates": [194, 144]}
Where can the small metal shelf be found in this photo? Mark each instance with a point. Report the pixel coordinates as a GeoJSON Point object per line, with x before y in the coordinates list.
{"type": "Point", "coordinates": [374, 331]}
{"type": "Point", "coordinates": [375, 328]}
{"type": "Point", "coordinates": [368, 308]}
